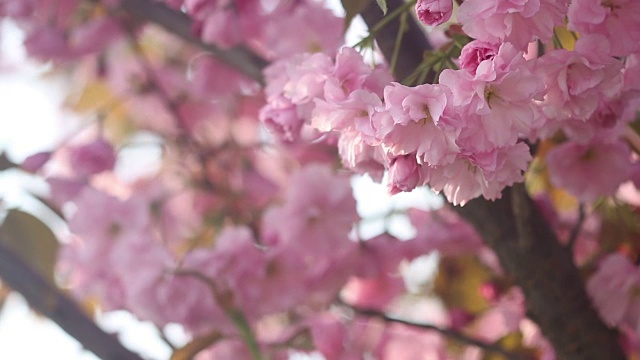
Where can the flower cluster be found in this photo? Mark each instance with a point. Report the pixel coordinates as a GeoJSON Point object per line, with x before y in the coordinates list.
{"type": "Point", "coordinates": [468, 135]}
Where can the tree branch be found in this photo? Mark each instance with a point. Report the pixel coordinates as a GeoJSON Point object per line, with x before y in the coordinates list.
{"type": "Point", "coordinates": [50, 301]}
{"type": "Point", "coordinates": [525, 244]}
{"type": "Point", "coordinates": [531, 254]}
{"type": "Point", "coordinates": [449, 333]}
{"type": "Point", "coordinates": [179, 24]}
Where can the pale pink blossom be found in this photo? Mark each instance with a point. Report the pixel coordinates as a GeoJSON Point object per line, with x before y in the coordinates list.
{"type": "Point", "coordinates": [318, 212]}
{"type": "Point", "coordinates": [351, 73]}
{"type": "Point", "coordinates": [496, 104]}
{"type": "Point", "coordinates": [418, 120]}
{"type": "Point", "coordinates": [47, 43]}
{"type": "Point", "coordinates": [483, 174]}
{"type": "Point", "coordinates": [92, 158]}
{"type": "Point", "coordinates": [35, 162]}
{"type": "Point", "coordinates": [101, 217]}
{"type": "Point", "coordinates": [514, 21]}
{"type": "Point", "coordinates": [610, 18]}
{"type": "Point", "coordinates": [444, 231]}
{"type": "Point", "coordinates": [589, 171]}
{"type": "Point", "coordinates": [403, 342]}
{"type": "Point", "coordinates": [281, 117]}
{"type": "Point", "coordinates": [354, 113]}
{"type": "Point", "coordinates": [613, 288]}
{"type": "Point", "coordinates": [94, 35]}
{"type": "Point", "coordinates": [578, 80]}
{"type": "Point", "coordinates": [359, 156]}
{"type": "Point", "coordinates": [404, 174]}
{"type": "Point", "coordinates": [316, 29]}
{"type": "Point", "coordinates": [474, 53]}
{"type": "Point", "coordinates": [502, 319]}
{"type": "Point", "coordinates": [434, 12]}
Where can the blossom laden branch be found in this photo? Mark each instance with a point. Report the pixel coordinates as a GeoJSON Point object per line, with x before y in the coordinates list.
{"type": "Point", "coordinates": [448, 333]}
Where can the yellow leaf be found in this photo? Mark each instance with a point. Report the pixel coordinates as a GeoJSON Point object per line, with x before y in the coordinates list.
{"type": "Point", "coordinates": [459, 280]}
{"type": "Point", "coordinates": [32, 240]}
{"type": "Point", "coordinates": [96, 96]}
{"type": "Point", "coordinates": [117, 124]}
{"type": "Point", "coordinates": [567, 38]}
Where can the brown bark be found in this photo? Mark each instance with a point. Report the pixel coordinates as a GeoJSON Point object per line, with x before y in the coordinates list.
{"type": "Point", "coordinates": [555, 295]}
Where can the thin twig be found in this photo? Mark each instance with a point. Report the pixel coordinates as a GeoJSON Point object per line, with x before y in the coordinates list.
{"type": "Point", "coordinates": [449, 333]}
{"type": "Point", "coordinates": [575, 231]}
{"type": "Point", "coordinates": [180, 24]}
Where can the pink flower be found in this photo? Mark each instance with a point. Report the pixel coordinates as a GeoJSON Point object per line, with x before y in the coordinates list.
{"type": "Point", "coordinates": [353, 113]}
{"type": "Point", "coordinates": [613, 289]}
{"type": "Point", "coordinates": [577, 80]}
{"type": "Point", "coordinates": [444, 231]}
{"type": "Point", "coordinates": [483, 174]}
{"type": "Point", "coordinates": [103, 218]}
{"type": "Point", "coordinates": [317, 215]}
{"type": "Point", "coordinates": [351, 73]}
{"type": "Point", "coordinates": [502, 319]}
{"type": "Point", "coordinates": [404, 174]}
{"type": "Point", "coordinates": [475, 53]}
{"type": "Point", "coordinates": [36, 161]}
{"type": "Point", "coordinates": [94, 35]}
{"type": "Point", "coordinates": [92, 158]}
{"type": "Point", "coordinates": [496, 104]}
{"type": "Point", "coordinates": [610, 18]}
{"type": "Point", "coordinates": [311, 28]}
{"type": "Point", "coordinates": [590, 170]}
{"type": "Point", "coordinates": [281, 117]}
{"type": "Point", "coordinates": [515, 21]}
{"type": "Point", "coordinates": [417, 120]}
{"type": "Point", "coordinates": [434, 12]}
{"type": "Point", "coordinates": [359, 156]}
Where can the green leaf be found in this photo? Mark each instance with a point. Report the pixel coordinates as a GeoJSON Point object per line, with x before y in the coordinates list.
{"type": "Point", "coordinates": [383, 6]}
{"type": "Point", "coordinates": [32, 240]}
{"type": "Point", "coordinates": [353, 8]}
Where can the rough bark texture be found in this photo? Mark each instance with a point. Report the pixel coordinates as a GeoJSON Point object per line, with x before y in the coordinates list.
{"type": "Point", "coordinates": [525, 244]}
{"type": "Point", "coordinates": [531, 254]}
{"type": "Point", "coordinates": [50, 301]}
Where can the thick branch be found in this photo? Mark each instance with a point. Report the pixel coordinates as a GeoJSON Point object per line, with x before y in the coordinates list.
{"type": "Point", "coordinates": [180, 25]}
{"type": "Point", "coordinates": [50, 301]}
{"type": "Point", "coordinates": [527, 248]}
{"type": "Point", "coordinates": [530, 253]}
